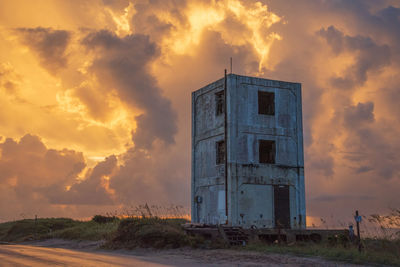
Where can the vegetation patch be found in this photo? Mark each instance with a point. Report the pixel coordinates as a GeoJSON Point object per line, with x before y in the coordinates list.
{"type": "Point", "coordinates": [118, 233]}
{"type": "Point", "coordinates": [45, 228]}
{"type": "Point", "coordinates": [374, 251]}
{"type": "Point", "coordinates": [151, 232]}
{"type": "Point", "coordinates": [104, 219]}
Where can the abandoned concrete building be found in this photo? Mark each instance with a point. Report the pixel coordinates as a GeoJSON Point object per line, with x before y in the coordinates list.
{"type": "Point", "coordinates": [247, 154]}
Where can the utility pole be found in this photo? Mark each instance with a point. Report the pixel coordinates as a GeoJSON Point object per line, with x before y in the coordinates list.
{"type": "Point", "coordinates": [226, 144]}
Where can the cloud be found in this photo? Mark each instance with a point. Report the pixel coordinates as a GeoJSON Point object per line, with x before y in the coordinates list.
{"type": "Point", "coordinates": [116, 4]}
{"type": "Point", "coordinates": [363, 169]}
{"type": "Point", "coordinates": [150, 176]}
{"type": "Point", "coordinates": [34, 172]}
{"type": "Point", "coordinates": [37, 180]}
{"type": "Point", "coordinates": [359, 114]}
{"type": "Point", "coordinates": [335, 198]}
{"type": "Point", "coordinates": [9, 79]}
{"type": "Point", "coordinates": [123, 64]}
{"type": "Point", "coordinates": [137, 180]}
{"type": "Point", "coordinates": [92, 190]}
{"type": "Point", "coordinates": [97, 102]}
{"type": "Point", "coordinates": [148, 23]}
{"type": "Point", "coordinates": [48, 44]}
{"type": "Point", "coordinates": [365, 136]}
{"type": "Point", "coordinates": [28, 170]}
{"type": "Point", "coordinates": [378, 19]}
{"type": "Point", "coordinates": [31, 164]}
{"type": "Point", "coordinates": [369, 56]}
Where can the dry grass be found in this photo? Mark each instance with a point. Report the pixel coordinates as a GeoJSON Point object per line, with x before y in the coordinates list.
{"type": "Point", "coordinates": [151, 211]}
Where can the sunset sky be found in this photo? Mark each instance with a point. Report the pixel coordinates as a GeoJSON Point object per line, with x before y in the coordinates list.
{"type": "Point", "coordinates": [95, 97]}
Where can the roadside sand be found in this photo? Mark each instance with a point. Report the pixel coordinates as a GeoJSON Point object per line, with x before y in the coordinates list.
{"type": "Point", "coordinates": [208, 257]}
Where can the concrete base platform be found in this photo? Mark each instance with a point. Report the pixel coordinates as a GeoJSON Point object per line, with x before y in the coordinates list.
{"type": "Point", "coordinates": [264, 235]}
{"type": "Point", "coordinates": [295, 235]}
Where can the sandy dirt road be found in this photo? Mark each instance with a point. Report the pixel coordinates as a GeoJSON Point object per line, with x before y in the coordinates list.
{"type": "Point", "coordinates": [28, 255]}
{"type": "Point", "coordinates": [23, 255]}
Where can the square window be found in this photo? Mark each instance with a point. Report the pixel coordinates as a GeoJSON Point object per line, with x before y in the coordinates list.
{"type": "Point", "coordinates": [219, 103]}
{"type": "Point", "coordinates": [220, 155]}
{"type": "Point", "coordinates": [266, 150]}
{"type": "Point", "coordinates": [266, 103]}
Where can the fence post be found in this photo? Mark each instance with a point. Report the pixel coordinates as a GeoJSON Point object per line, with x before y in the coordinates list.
{"type": "Point", "coordinates": [358, 220]}
{"type": "Point", "coordinates": [35, 226]}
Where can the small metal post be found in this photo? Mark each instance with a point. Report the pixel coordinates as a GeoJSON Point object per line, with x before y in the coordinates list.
{"type": "Point", "coordinates": [35, 227]}
{"type": "Point", "coordinates": [231, 65]}
{"type": "Point", "coordinates": [358, 231]}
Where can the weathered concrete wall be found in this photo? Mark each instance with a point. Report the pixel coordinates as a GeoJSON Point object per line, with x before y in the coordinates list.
{"type": "Point", "coordinates": [250, 183]}
{"type": "Point", "coordinates": [207, 177]}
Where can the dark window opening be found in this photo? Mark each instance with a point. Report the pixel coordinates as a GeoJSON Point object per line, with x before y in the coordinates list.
{"type": "Point", "coordinates": [220, 103]}
{"type": "Point", "coordinates": [266, 149]}
{"type": "Point", "coordinates": [220, 148]}
{"type": "Point", "coordinates": [266, 103]}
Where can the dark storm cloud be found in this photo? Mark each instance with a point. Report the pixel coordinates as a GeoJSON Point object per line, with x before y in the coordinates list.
{"type": "Point", "coordinates": [363, 169]}
{"type": "Point", "coordinates": [91, 190]}
{"type": "Point", "coordinates": [335, 198]}
{"type": "Point", "coordinates": [136, 180]}
{"type": "Point", "coordinates": [30, 168]}
{"type": "Point", "coordinates": [370, 57]}
{"type": "Point", "coordinates": [359, 114]}
{"type": "Point", "coordinates": [50, 46]}
{"type": "Point", "coordinates": [146, 22]}
{"type": "Point", "coordinates": [323, 164]}
{"type": "Point", "coordinates": [32, 172]}
{"type": "Point", "coordinates": [150, 176]}
{"type": "Point", "coordinates": [390, 95]}
{"type": "Point", "coordinates": [214, 51]}
{"type": "Point", "coordinates": [147, 10]}
{"type": "Point", "coordinates": [366, 138]}
{"type": "Point", "coordinates": [123, 64]}
{"type": "Point", "coordinates": [117, 5]}
{"type": "Point", "coordinates": [376, 18]}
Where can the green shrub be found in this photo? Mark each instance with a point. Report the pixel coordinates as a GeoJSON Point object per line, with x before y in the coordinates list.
{"type": "Point", "coordinates": [150, 232]}
{"type": "Point", "coordinates": [338, 240]}
{"type": "Point", "coordinates": [35, 229]}
{"type": "Point", "coordinates": [88, 231]}
{"type": "Point", "coordinates": [104, 219]}
{"type": "Point", "coordinates": [30, 229]}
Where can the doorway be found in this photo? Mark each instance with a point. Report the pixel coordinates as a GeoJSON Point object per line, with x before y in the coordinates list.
{"type": "Point", "coordinates": [282, 206]}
